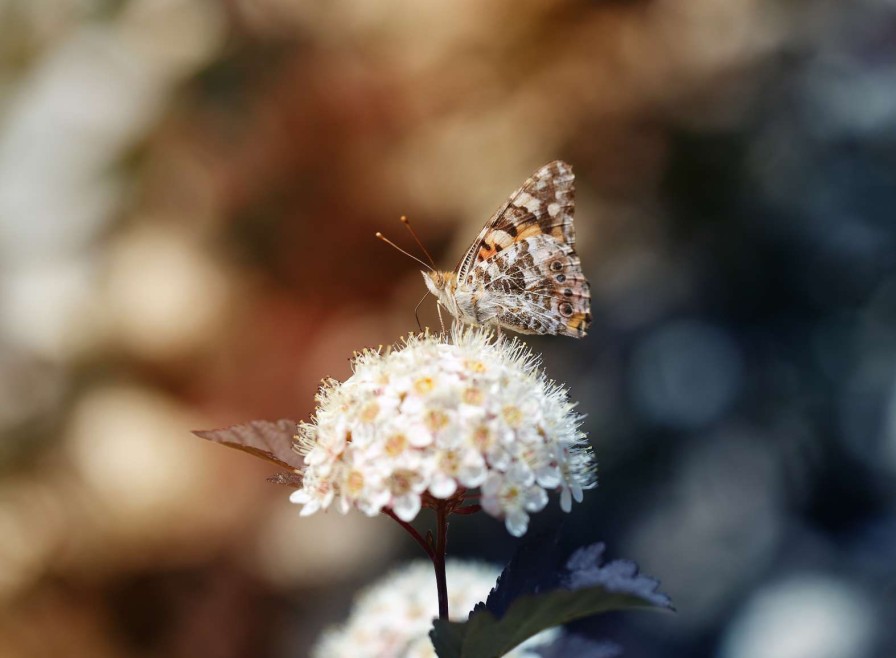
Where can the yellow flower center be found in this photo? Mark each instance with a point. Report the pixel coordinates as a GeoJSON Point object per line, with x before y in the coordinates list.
{"type": "Point", "coordinates": [513, 416]}
{"type": "Point", "coordinates": [449, 461]}
{"type": "Point", "coordinates": [482, 438]}
{"type": "Point", "coordinates": [510, 495]}
{"type": "Point", "coordinates": [473, 395]}
{"type": "Point", "coordinates": [396, 444]}
{"type": "Point", "coordinates": [424, 385]}
{"type": "Point", "coordinates": [400, 481]}
{"type": "Point", "coordinates": [354, 483]}
{"type": "Point", "coordinates": [436, 420]}
{"type": "Point", "coordinates": [369, 412]}
{"type": "Point", "coordinates": [476, 367]}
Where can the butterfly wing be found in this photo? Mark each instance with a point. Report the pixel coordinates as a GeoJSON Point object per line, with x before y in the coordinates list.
{"type": "Point", "coordinates": [544, 205]}
{"type": "Point", "coordinates": [535, 286]}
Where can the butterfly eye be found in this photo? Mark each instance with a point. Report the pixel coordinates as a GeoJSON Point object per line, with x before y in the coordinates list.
{"type": "Point", "coordinates": [561, 278]}
{"type": "Point", "coordinates": [556, 266]}
{"type": "Point", "coordinates": [565, 308]}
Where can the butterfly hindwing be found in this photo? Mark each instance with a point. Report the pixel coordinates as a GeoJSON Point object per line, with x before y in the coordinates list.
{"type": "Point", "coordinates": [537, 287]}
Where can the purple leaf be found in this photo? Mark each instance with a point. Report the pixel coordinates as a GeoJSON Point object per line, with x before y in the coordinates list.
{"type": "Point", "coordinates": [537, 591]}
{"type": "Point", "coordinates": [580, 646]}
{"type": "Point", "coordinates": [583, 570]}
{"type": "Point", "coordinates": [271, 440]}
{"type": "Point", "coordinates": [534, 567]}
{"type": "Point", "coordinates": [293, 480]}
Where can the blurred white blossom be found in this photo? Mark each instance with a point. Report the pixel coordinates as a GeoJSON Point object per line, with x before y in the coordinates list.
{"type": "Point", "coordinates": [392, 618]}
{"type": "Point", "coordinates": [438, 416]}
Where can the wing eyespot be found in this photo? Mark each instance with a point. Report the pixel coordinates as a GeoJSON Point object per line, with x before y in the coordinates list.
{"type": "Point", "coordinates": [566, 309]}
{"type": "Point", "coordinates": [560, 278]}
{"type": "Point", "coordinates": [567, 292]}
{"type": "Point", "coordinates": [556, 266]}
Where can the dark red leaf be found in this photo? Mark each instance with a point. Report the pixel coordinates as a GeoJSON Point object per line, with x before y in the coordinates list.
{"type": "Point", "coordinates": [291, 479]}
{"type": "Point", "coordinates": [271, 440]}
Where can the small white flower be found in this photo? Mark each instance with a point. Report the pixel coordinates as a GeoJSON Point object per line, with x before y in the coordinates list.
{"type": "Point", "coordinates": [392, 618]}
{"type": "Point", "coordinates": [513, 495]}
{"type": "Point", "coordinates": [440, 415]}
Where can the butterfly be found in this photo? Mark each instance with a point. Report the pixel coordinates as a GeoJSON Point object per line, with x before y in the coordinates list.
{"type": "Point", "coordinates": [522, 272]}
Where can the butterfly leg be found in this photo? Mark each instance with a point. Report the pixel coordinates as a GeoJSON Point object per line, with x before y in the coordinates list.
{"type": "Point", "coordinates": [439, 311]}
{"type": "Point", "coordinates": [417, 315]}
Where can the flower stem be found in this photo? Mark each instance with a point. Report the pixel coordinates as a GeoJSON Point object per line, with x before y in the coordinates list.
{"type": "Point", "coordinates": [413, 533]}
{"type": "Point", "coordinates": [438, 559]}
{"type": "Point", "coordinates": [435, 552]}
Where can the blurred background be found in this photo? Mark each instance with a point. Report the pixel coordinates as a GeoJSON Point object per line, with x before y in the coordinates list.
{"type": "Point", "coordinates": [188, 195]}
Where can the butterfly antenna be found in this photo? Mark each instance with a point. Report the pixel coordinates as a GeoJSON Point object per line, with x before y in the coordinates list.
{"type": "Point", "coordinates": [407, 223]}
{"type": "Point", "coordinates": [395, 246]}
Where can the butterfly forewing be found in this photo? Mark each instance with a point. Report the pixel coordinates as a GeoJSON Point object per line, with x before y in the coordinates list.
{"type": "Point", "coordinates": [544, 204]}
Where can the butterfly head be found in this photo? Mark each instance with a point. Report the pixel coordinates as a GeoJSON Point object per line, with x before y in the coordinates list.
{"type": "Point", "coordinates": [440, 284]}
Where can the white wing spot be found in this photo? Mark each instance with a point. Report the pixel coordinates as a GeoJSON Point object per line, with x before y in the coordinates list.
{"type": "Point", "coordinates": [553, 209]}
{"type": "Point", "coordinates": [501, 238]}
{"type": "Point", "coordinates": [528, 202]}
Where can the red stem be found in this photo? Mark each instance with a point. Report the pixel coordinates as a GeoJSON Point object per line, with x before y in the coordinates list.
{"type": "Point", "coordinates": [413, 532]}
{"type": "Point", "coordinates": [438, 560]}
{"type": "Point", "coordinates": [436, 553]}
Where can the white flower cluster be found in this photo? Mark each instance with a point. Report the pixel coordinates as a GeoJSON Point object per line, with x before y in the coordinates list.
{"type": "Point", "coordinates": [439, 415]}
{"type": "Point", "coordinates": [393, 617]}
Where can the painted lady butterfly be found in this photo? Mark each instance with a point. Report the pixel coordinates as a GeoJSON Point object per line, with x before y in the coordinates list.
{"type": "Point", "coordinates": [522, 272]}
